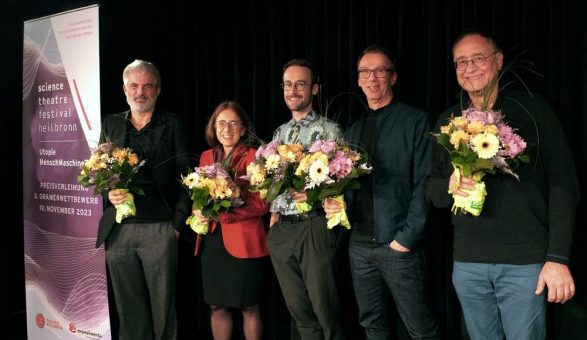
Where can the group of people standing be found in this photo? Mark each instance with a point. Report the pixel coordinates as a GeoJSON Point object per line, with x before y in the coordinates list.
{"type": "Point", "coordinates": [506, 260]}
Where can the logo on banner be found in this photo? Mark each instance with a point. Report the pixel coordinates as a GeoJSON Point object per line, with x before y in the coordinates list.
{"type": "Point", "coordinates": [40, 320]}
{"type": "Point", "coordinates": [88, 334]}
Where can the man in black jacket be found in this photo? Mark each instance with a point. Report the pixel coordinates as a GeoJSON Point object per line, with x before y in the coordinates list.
{"type": "Point", "coordinates": [141, 251]}
{"type": "Point", "coordinates": [388, 213]}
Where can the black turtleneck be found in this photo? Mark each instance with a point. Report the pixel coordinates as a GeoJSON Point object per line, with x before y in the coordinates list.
{"type": "Point", "coordinates": [363, 217]}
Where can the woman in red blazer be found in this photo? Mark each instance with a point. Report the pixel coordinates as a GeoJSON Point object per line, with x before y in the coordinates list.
{"type": "Point", "coordinates": [234, 250]}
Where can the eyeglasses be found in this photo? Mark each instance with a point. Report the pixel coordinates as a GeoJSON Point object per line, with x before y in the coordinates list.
{"type": "Point", "coordinates": [222, 124]}
{"type": "Point", "coordinates": [299, 85]}
{"type": "Point", "coordinates": [379, 72]}
{"type": "Point", "coordinates": [478, 61]}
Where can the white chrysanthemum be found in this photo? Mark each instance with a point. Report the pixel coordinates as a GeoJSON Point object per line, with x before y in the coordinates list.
{"type": "Point", "coordinates": [272, 162]}
{"type": "Point", "coordinates": [486, 145]}
{"type": "Point", "coordinates": [223, 192]}
{"type": "Point", "coordinates": [190, 180]}
{"type": "Point", "coordinates": [318, 171]}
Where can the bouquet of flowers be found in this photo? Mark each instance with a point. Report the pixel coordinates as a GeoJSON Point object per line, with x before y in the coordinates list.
{"type": "Point", "coordinates": [272, 170]}
{"type": "Point", "coordinates": [327, 169]}
{"type": "Point", "coordinates": [109, 168]}
{"type": "Point", "coordinates": [479, 142]}
{"type": "Point", "coordinates": [212, 190]}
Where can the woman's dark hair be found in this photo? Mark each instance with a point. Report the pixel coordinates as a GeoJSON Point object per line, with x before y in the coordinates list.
{"type": "Point", "coordinates": [246, 139]}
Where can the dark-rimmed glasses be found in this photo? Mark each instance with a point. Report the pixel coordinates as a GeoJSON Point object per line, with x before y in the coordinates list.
{"type": "Point", "coordinates": [299, 85]}
{"type": "Point", "coordinates": [478, 61]}
{"type": "Point", "coordinates": [379, 72]}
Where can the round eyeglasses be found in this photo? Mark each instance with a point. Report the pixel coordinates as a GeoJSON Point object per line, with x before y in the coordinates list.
{"type": "Point", "coordinates": [299, 85]}
{"type": "Point", "coordinates": [222, 124]}
{"type": "Point", "coordinates": [478, 61]}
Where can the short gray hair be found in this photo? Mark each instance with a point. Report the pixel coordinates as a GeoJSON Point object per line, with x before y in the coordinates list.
{"type": "Point", "coordinates": [141, 65]}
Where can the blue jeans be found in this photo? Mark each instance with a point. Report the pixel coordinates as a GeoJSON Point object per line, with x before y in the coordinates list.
{"type": "Point", "coordinates": [376, 271]}
{"type": "Point", "coordinates": [498, 300]}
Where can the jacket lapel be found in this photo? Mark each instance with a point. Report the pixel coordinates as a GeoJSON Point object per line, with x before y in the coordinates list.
{"type": "Point", "coordinates": [157, 128]}
{"type": "Point", "coordinates": [118, 131]}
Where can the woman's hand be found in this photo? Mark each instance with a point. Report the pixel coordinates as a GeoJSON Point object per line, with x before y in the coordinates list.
{"type": "Point", "coordinates": [203, 219]}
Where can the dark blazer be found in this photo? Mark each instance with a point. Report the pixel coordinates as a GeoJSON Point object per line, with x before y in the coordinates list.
{"type": "Point", "coordinates": [243, 232]}
{"type": "Point", "coordinates": [399, 172]}
{"type": "Point", "coordinates": [168, 163]}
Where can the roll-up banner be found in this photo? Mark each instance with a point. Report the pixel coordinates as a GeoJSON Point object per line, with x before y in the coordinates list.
{"type": "Point", "coordinates": [65, 276]}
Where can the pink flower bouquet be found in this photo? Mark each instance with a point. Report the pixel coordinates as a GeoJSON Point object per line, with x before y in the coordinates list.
{"type": "Point", "coordinates": [327, 170]}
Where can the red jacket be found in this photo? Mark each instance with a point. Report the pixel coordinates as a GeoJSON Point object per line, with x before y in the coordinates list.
{"type": "Point", "coordinates": [243, 231]}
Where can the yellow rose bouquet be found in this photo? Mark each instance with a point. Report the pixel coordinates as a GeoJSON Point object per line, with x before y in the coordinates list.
{"type": "Point", "coordinates": [109, 168]}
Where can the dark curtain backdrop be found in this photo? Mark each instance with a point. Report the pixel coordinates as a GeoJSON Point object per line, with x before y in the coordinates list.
{"type": "Point", "coordinates": [236, 49]}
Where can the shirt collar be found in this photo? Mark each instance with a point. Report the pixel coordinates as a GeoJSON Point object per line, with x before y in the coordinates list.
{"type": "Point", "coordinates": [306, 121]}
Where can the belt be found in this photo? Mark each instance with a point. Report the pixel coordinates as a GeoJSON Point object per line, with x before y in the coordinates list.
{"type": "Point", "coordinates": [301, 217]}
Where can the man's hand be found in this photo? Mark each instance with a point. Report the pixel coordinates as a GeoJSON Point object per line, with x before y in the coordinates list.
{"type": "Point", "coordinates": [398, 247]}
{"type": "Point", "coordinates": [298, 196]}
{"type": "Point", "coordinates": [274, 218]}
{"type": "Point", "coordinates": [459, 185]}
{"type": "Point", "coordinates": [331, 206]}
{"type": "Point", "coordinates": [558, 280]}
{"type": "Point", "coordinates": [116, 197]}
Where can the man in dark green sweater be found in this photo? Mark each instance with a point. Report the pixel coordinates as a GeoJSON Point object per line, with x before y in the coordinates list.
{"type": "Point", "coordinates": [517, 251]}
